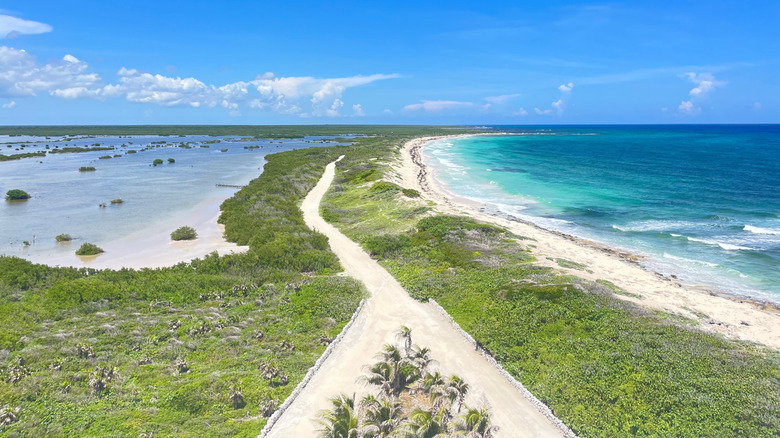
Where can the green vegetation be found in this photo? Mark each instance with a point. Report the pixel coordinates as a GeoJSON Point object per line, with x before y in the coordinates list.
{"type": "Point", "coordinates": [410, 193]}
{"type": "Point", "coordinates": [104, 157]}
{"type": "Point", "coordinates": [63, 238]}
{"type": "Point", "coordinates": [88, 249]}
{"type": "Point", "coordinates": [86, 169]}
{"type": "Point", "coordinates": [412, 400]}
{"type": "Point", "coordinates": [605, 366]}
{"type": "Point", "coordinates": [16, 195]}
{"type": "Point", "coordinates": [132, 151]}
{"type": "Point", "coordinates": [157, 162]}
{"type": "Point", "coordinates": [20, 156]}
{"type": "Point", "coordinates": [75, 149]}
{"type": "Point", "coordinates": [171, 160]}
{"type": "Point", "coordinates": [563, 263]}
{"type": "Point", "coordinates": [208, 348]}
{"type": "Point", "coordinates": [184, 233]}
{"type": "Point", "coordinates": [117, 201]}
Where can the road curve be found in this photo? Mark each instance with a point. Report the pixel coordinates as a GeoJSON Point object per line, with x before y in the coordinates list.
{"type": "Point", "coordinates": [384, 312]}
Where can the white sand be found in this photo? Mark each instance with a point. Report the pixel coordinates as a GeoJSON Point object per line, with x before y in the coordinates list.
{"type": "Point", "coordinates": [153, 247]}
{"type": "Point", "coordinates": [384, 312]}
{"type": "Point", "coordinates": [732, 317]}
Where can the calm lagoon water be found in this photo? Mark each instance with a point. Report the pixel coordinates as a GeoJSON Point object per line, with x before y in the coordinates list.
{"type": "Point", "coordinates": [65, 200]}
{"type": "Point", "coordinates": [702, 202]}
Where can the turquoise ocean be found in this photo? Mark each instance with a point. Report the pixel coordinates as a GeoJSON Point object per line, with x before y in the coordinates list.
{"type": "Point", "coordinates": [701, 202]}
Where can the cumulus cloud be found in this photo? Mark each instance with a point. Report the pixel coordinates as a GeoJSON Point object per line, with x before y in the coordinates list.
{"type": "Point", "coordinates": [436, 106]}
{"type": "Point", "coordinates": [521, 112]}
{"type": "Point", "coordinates": [11, 27]}
{"type": "Point", "coordinates": [558, 106]}
{"type": "Point", "coordinates": [357, 110]}
{"type": "Point", "coordinates": [687, 107]}
{"type": "Point", "coordinates": [10, 104]}
{"type": "Point", "coordinates": [21, 75]}
{"type": "Point", "coordinates": [705, 83]}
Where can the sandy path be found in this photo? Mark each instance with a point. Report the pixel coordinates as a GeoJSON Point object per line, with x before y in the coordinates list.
{"type": "Point", "coordinates": [388, 308]}
{"type": "Point", "coordinates": [732, 317]}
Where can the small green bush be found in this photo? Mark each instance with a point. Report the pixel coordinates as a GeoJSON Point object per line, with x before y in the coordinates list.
{"type": "Point", "coordinates": [16, 195]}
{"type": "Point", "coordinates": [171, 160]}
{"type": "Point", "coordinates": [89, 249]}
{"type": "Point", "coordinates": [117, 201]}
{"type": "Point", "coordinates": [410, 193]}
{"type": "Point", "coordinates": [63, 238]}
{"type": "Point", "coordinates": [184, 233]}
{"type": "Point", "coordinates": [157, 162]}
{"type": "Point", "coordinates": [383, 187]}
{"type": "Point", "coordinates": [86, 169]}
{"type": "Point", "coordinates": [105, 157]}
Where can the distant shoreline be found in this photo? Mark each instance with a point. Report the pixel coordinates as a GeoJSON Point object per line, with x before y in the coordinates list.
{"type": "Point", "coordinates": [732, 316]}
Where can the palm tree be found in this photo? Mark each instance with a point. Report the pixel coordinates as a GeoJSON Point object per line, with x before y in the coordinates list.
{"type": "Point", "coordinates": [342, 420]}
{"type": "Point", "coordinates": [425, 424]}
{"type": "Point", "coordinates": [457, 390]}
{"type": "Point", "coordinates": [380, 417]}
{"type": "Point", "coordinates": [405, 334]}
{"type": "Point", "coordinates": [475, 423]}
{"type": "Point", "coordinates": [393, 373]}
{"type": "Point", "coordinates": [422, 358]}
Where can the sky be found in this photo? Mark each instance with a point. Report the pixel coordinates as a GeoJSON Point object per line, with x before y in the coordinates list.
{"type": "Point", "coordinates": [453, 62]}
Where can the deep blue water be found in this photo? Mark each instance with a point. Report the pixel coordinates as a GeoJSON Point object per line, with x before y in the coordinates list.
{"type": "Point", "coordinates": [702, 201]}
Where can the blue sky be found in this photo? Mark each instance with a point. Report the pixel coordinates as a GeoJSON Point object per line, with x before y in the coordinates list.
{"type": "Point", "coordinates": [231, 62]}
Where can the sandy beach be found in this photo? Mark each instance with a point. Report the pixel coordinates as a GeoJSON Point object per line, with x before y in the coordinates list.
{"type": "Point", "coordinates": [733, 317]}
{"type": "Point", "coordinates": [152, 247]}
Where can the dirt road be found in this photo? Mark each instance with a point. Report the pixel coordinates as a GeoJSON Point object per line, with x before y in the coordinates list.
{"type": "Point", "coordinates": [388, 308]}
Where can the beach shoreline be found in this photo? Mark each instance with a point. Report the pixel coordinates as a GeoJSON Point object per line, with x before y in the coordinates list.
{"type": "Point", "coordinates": [732, 316]}
{"type": "Point", "coordinates": [152, 247]}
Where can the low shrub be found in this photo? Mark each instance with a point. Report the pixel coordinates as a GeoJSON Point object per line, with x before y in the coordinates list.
{"type": "Point", "coordinates": [86, 169]}
{"type": "Point", "coordinates": [157, 162]}
{"type": "Point", "coordinates": [410, 193]}
{"type": "Point", "coordinates": [384, 187]}
{"type": "Point", "coordinates": [63, 238]}
{"type": "Point", "coordinates": [117, 201]}
{"type": "Point", "coordinates": [184, 233]}
{"type": "Point", "coordinates": [89, 249]}
{"type": "Point", "coordinates": [16, 195]}
{"type": "Point", "coordinates": [171, 160]}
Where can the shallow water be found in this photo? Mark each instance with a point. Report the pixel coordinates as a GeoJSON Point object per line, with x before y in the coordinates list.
{"type": "Point", "coordinates": [703, 202]}
{"type": "Point", "coordinates": [65, 200]}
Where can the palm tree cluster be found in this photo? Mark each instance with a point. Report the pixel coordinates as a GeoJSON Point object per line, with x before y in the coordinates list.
{"type": "Point", "coordinates": [411, 401]}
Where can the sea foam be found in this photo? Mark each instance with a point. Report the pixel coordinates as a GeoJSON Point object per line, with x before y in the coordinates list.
{"type": "Point", "coordinates": [759, 230]}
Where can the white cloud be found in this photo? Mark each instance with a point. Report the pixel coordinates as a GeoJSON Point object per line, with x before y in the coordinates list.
{"type": "Point", "coordinates": [687, 107]}
{"type": "Point", "coordinates": [520, 112]}
{"type": "Point", "coordinates": [558, 106]}
{"type": "Point", "coordinates": [357, 110]}
{"type": "Point", "coordinates": [21, 75]}
{"type": "Point", "coordinates": [435, 106]}
{"type": "Point", "coordinates": [11, 27]}
{"type": "Point", "coordinates": [566, 88]}
{"type": "Point", "coordinates": [502, 99]}
{"type": "Point", "coordinates": [705, 83]}
{"type": "Point", "coordinates": [10, 104]}
{"type": "Point", "coordinates": [387, 111]}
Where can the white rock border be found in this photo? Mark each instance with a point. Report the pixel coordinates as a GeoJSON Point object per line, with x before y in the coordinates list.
{"type": "Point", "coordinates": [526, 393]}
{"type": "Point", "coordinates": [313, 370]}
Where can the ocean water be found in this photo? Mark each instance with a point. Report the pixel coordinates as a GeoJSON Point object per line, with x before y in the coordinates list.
{"type": "Point", "coordinates": [701, 202]}
{"type": "Point", "coordinates": [65, 200]}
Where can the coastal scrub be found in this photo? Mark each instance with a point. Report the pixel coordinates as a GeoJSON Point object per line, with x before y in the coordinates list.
{"type": "Point", "coordinates": [16, 195]}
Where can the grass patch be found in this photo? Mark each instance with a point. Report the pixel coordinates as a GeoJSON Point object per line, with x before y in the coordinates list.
{"type": "Point", "coordinates": [617, 290]}
{"type": "Point", "coordinates": [563, 263]}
